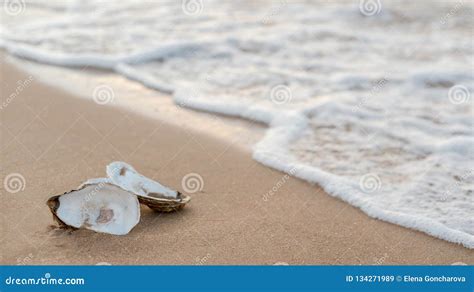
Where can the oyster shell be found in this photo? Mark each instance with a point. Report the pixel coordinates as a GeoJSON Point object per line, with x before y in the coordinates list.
{"type": "Point", "coordinates": [125, 176]}
{"type": "Point", "coordinates": [149, 192]}
{"type": "Point", "coordinates": [163, 204]}
{"type": "Point", "coordinates": [99, 206]}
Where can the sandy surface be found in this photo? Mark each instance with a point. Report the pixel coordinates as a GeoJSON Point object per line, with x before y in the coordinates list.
{"type": "Point", "coordinates": [56, 142]}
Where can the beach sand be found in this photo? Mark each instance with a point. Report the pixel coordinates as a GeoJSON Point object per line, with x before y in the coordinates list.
{"type": "Point", "coordinates": [56, 141]}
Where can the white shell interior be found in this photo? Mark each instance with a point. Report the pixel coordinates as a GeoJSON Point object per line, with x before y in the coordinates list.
{"type": "Point", "coordinates": [99, 180]}
{"type": "Point", "coordinates": [100, 207]}
{"type": "Point", "coordinates": [125, 176]}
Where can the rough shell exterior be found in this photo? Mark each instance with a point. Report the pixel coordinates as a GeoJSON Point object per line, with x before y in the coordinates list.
{"type": "Point", "coordinates": [53, 204]}
{"type": "Point", "coordinates": [161, 204]}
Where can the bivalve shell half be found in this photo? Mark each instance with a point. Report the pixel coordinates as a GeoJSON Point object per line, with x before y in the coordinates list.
{"type": "Point", "coordinates": [149, 192]}
{"type": "Point", "coordinates": [101, 207]}
{"type": "Point", "coordinates": [161, 204]}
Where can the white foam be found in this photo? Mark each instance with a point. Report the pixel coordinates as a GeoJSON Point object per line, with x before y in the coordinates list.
{"type": "Point", "coordinates": [363, 106]}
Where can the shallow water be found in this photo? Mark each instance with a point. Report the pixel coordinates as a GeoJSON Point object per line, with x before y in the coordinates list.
{"type": "Point", "coordinates": [371, 101]}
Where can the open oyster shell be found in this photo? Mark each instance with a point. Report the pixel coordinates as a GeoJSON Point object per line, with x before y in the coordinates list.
{"type": "Point", "coordinates": [101, 207]}
{"type": "Point", "coordinates": [149, 192]}
{"type": "Point", "coordinates": [125, 176]}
